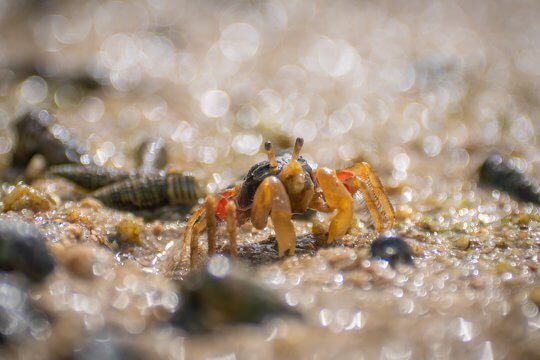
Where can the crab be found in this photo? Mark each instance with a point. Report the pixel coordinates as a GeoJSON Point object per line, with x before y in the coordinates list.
{"type": "Point", "coordinates": [285, 185]}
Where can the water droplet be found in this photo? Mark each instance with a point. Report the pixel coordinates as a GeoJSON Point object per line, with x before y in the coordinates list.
{"type": "Point", "coordinates": [155, 109]}
{"type": "Point", "coordinates": [92, 109]}
{"type": "Point", "coordinates": [336, 58]}
{"type": "Point", "coordinates": [119, 52]}
{"type": "Point", "coordinates": [219, 266]}
{"type": "Point", "coordinates": [486, 351]}
{"type": "Point", "coordinates": [5, 145]}
{"type": "Point", "coordinates": [325, 317]}
{"type": "Point", "coordinates": [34, 90]}
{"type": "Point", "coordinates": [271, 101]}
{"type": "Point", "coordinates": [247, 117]}
{"type": "Point", "coordinates": [432, 145]}
{"type": "Point", "coordinates": [401, 162]}
{"type": "Point", "coordinates": [340, 122]}
{"type": "Point", "coordinates": [215, 103]}
{"type": "Point", "coordinates": [73, 30]}
{"type": "Point", "coordinates": [306, 129]}
{"type": "Point", "coordinates": [248, 144]}
{"type": "Point", "coordinates": [239, 41]}
{"type": "Point", "coordinates": [207, 154]}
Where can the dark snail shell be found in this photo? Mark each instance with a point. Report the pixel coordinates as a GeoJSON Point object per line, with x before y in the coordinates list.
{"type": "Point", "coordinates": [500, 174]}
{"type": "Point", "coordinates": [39, 133]}
{"type": "Point", "coordinates": [151, 191]}
{"type": "Point", "coordinates": [90, 177]}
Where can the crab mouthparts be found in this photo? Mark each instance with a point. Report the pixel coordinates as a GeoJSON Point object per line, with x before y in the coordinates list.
{"type": "Point", "coordinates": [295, 184]}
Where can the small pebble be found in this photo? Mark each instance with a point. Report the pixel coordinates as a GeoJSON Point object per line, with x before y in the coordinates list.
{"type": "Point", "coordinates": [91, 203]}
{"type": "Point", "coordinates": [318, 227]}
{"type": "Point", "coordinates": [129, 231]}
{"type": "Point", "coordinates": [26, 197]}
{"type": "Point", "coordinates": [462, 243]}
{"type": "Point", "coordinates": [533, 265]}
{"type": "Point", "coordinates": [477, 282]}
{"type": "Point", "coordinates": [502, 244]}
{"type": "Point", "coordinates": [417, 250]}
{"type": "Point", "coordinates": [75, 230]}
{"type": "Point", "coordinates": [339, 258]}
{"type": "Point", "coordinates": [157, 228]}
{"type": "Point", "coordinates": [504, 267]}
{"type": "Point", "coordinates": [73, 215]}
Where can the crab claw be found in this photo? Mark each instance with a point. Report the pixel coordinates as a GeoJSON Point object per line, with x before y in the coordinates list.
{"type": "Point", "coordinates": [338, 198]}
{"type": "Point", "coordinates": [271, 199]}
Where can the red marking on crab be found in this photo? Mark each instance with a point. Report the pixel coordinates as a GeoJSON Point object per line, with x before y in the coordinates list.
{"type": "Point", "coordinates": [221, 212]}
{"type": "Point", "coordinates": [343, 175]}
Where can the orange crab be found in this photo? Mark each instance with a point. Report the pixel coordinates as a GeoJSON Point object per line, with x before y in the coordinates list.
{"type": "Point", "coordinates": [284, 185]}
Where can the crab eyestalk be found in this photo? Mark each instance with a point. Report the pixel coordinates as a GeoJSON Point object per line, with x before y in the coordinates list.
{"type": "Point", "coordinates": [297, 147]}
{"type": "Point", "coordinates": [271, 154]}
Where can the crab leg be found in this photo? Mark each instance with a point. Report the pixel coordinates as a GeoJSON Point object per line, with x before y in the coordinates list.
{"type": "Point", "coordinates": [195, 224]}
{"type": "Point", "coordinates": [194, 242]}
{"type": "Point", "coordinates": [271, 199]}
{"type": "Point", "coordinates": [210, 205]}
{"type": "Point", "coordinates": [376, 199]}
{"type": "Point", "coordinates": [194, 219]}
{"type": "Point", "coordinates": [231, 227]}
{"type": "Point", "coordinates": [337, 197]}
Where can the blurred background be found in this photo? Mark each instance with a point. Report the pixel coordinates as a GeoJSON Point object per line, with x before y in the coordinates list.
{"type": "Point", "coordinates": [415, 88]}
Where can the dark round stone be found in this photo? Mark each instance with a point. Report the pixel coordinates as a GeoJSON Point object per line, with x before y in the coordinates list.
{"type": "Point", "coordinates": [392, 249]}
{"type": "Point", "coordinates": [22, 249]}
